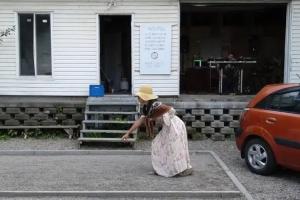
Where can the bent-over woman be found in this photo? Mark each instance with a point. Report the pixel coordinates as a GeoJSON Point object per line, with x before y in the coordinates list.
{"type": "Point", "coordinates": [170, 154]}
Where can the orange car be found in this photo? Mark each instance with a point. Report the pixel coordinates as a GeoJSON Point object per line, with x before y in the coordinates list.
{"type": "Point", "coordinates": [269, 133]}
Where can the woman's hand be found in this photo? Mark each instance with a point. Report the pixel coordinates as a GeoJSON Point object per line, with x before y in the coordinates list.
{"type": "Point", "coordinates": [136, 125]}
{"type": "Point", "coordinates": [125, 137]}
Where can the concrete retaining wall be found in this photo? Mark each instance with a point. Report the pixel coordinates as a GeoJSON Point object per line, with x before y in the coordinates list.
{"type": "Point", "coordinates": [216, 120]}
{"type": "Point", "coordinates": [204, 117]}
{"type": "Point", "coordinates": [33, 111]}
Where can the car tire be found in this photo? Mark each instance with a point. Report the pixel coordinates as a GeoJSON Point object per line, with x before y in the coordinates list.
{"type": "Point", "coordinates": [259, 157]}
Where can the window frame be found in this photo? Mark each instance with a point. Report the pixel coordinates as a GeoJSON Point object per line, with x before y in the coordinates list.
{"type": "Point", "coordinates": [280, 92]}
{"type": "Point", "coordinates": [18, 63]}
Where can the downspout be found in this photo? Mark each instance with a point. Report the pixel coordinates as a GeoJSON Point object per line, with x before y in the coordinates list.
{"type": "Point", "coordinates": [287, 56]}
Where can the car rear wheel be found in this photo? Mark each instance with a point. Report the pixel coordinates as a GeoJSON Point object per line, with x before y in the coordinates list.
{"type": "Point", "coordinates": [259, 157]}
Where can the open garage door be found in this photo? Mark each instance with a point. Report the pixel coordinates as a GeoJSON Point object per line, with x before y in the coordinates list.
{"type": "Point", "coordinates": [231, 48]}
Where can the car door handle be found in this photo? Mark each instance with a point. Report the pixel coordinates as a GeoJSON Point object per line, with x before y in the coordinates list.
{"type": "Point", "coordinates": [271, 120]}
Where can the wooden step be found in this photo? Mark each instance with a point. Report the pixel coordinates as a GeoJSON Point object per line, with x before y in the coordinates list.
{"type": "Point", "coordinates": [112, 103]}
{"type": "Point", "coordinates": [105, 139]}
{"type": "Point", "coordinates": [41, 127]}
{"type": "Point", "coordinates": [110, 113]}
{"type": "Point", "coordinates": [125, 106]}
{"type": "Point", "coordinates": [111, 108]}
{"type": "Point", "coordinates": [119, 99]}
{"type": "Point", "coordinates": [106, 122]}
{"type": "Point", "coordinates": [104, 131]}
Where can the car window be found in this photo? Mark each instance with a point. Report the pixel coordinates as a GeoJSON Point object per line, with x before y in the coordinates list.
{"type": "Point", "coordinates": [286, 102]}
{"type": "Point", "coordinates": [274, 102]}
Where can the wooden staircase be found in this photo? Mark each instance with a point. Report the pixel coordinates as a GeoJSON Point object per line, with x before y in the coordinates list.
{"type": "Point", "coordinates": [108, 118]}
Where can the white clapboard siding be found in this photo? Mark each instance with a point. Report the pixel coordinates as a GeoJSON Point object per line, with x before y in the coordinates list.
{"type": "Point", "coordinates": [294, 62]}
{"type": "Point", "coordinates": [75, 45]}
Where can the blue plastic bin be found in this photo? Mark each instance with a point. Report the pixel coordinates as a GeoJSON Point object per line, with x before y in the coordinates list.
{"type": "Point", "coordinates": [96, 91]}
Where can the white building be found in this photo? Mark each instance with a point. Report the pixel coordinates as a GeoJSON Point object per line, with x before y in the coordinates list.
{"type": "Point", "coordinates": [61, 47]}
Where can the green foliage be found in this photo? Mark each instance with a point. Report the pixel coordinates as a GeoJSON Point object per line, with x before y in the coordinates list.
{"type": "Point", "coordinates": [3, 137]}
{"type": "Point", "coordinates": [59, 109]}
{"type": "Point", "coordinates": [12, 133]}
{"type": "Point", "coordinates": [7, 32]}
{"type": "Point", "coordinates": [7, 134]}
{"type": "Point", "coordinates": [33, 133]}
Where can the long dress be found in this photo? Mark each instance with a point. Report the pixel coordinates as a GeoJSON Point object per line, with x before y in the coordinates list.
{"type": "Point", "coordinates": [170, 154]}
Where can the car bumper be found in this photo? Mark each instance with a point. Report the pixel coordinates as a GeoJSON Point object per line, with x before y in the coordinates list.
{"type": "Point", "coordinates": [238, 139]}
{"type": "Point", "coordinates": [238, 132]}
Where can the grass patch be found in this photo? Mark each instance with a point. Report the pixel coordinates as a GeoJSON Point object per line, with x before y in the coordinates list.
{"type": "Point", "coordinates": [4, 137]}
{"type": "Point", "coordinates": [33, 133]}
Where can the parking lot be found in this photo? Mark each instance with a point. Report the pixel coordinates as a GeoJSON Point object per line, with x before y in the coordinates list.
{"type": "Point", "coordinates": [282, 185]}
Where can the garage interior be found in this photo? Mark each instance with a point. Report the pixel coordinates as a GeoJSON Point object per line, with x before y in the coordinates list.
{"type": "Point", "coordinates": [231, 48]}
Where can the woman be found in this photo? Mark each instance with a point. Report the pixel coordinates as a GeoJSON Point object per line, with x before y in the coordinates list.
{"type": "Point", "coordinates": [170, 155]}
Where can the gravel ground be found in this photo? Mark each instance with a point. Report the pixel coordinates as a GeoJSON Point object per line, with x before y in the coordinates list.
{"type": "Point", "coordinates": [285, 184]}
{"type": "Point", "coordinates": [38, 144]}
{"type": "Point", "coordinates": [106, 173]}
{"type": "Point", "coordinates": [91, 198]}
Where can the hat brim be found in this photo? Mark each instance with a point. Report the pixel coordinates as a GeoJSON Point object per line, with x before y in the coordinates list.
{"type": "Point", "coordinates": [146, 97]}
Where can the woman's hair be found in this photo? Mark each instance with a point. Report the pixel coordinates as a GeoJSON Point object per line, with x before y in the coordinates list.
{"type": "Point", "coordinates": [146, 107]}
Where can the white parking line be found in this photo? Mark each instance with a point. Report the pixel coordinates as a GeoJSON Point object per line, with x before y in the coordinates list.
{"type": "Point", "coordinates": [237, 183]}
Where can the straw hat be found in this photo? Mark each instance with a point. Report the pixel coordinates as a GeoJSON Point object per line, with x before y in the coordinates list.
{"type": "Point", "coordinates": [146, 93]}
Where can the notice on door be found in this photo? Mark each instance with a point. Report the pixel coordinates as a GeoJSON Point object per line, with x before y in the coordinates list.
{"type": "Point", "coordinates": [155, 49]}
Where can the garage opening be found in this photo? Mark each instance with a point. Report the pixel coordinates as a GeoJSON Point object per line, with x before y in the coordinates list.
{"type": "Point", "coordinates": [231, 48]}
{"type": "Point", "coordinates": [115, 53]}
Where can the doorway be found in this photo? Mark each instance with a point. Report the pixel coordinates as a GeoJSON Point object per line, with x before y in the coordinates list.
{"type": "Point", "coordinates": [115, 53]}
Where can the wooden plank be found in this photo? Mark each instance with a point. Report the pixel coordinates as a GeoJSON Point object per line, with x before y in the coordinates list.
{"type": "Point", "coordinates": [105, 131]}
{"type": "Point", "coordinates": [105, 139]}
{"type": "Point", "coordinates": [110, 113]}
{"type": "Point", "coordinates": [35, 127]}
{"type": "Point", "coordinates": [91, 103]}
{"type": "Point", "coordinates": [106, 122]}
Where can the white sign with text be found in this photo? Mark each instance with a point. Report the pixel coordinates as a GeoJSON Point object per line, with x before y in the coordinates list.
{"type": "Point", "coordinates": [155, 49]}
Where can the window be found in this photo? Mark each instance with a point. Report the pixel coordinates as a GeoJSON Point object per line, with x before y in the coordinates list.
{"type": "Point", "coordinates": [35, 44]}
{"type": "Point", "coordinates": [26, 44]}
{"type": "Point", "coordinates": [284, 101]}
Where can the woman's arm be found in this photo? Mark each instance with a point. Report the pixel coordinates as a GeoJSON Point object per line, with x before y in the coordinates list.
{"type": "Point", "coordinates": [136, 125]}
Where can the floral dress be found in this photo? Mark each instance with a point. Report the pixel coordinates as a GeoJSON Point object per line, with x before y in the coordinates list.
{"type": "Point", "coordinates": [170, 154]}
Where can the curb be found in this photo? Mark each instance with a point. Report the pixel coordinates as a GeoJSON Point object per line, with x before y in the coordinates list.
{"type": "Point", "coordinates": [124, 194]}
{"type": "Point", "coordinates": [80, 152]}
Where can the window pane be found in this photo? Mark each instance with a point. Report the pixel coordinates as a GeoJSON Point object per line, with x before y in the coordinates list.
{"type": "Point", "coordinates": [286, 102]}
{"type": "Point", "coordinates": [43, 44]}
{"type": "Point", "coordinates": [289, 101]}
{"type": "Point", "coordinates": [297, 103]}
{"type": "Point", "coordinates": [271, 102]}
{"type": "Point", "coordinates": [26, 44]}
{"type": "Point", "coordinates": [274, 102]}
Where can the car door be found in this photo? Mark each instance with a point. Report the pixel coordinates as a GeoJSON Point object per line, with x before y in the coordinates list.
{"type": "Point", "coordinates": [281, 117]}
